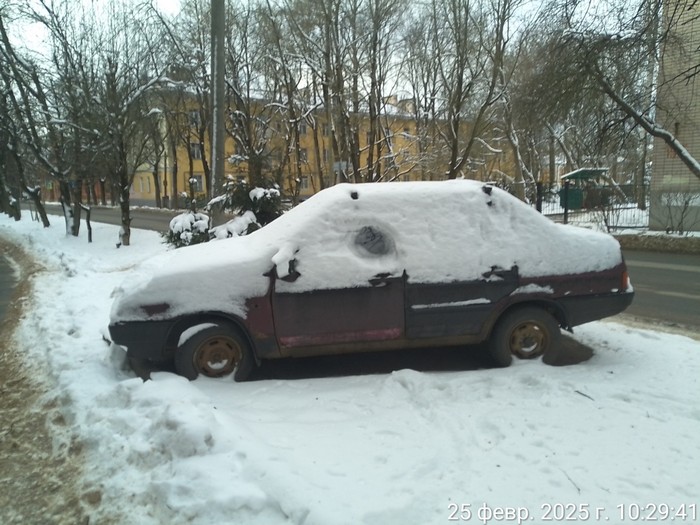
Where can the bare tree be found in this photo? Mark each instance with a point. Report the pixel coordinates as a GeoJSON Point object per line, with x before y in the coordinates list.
{"type": "Point", "coordinates": [330, 36]}
{"type": "Point", "coordinates": [12, 166]}
{"type": "Point", "coordinates": [627, 44]}
{"type": "Point", "coordinates": [471, 41]}
{"type": "Point", "coordinates": [129, 71]}
{"type": "Point", "coordinates": [38, 117]}
{"type": "Point", "coordinates": [423, 79]}
{"type": "Point", "coordinates": [8, 202]}
{"type": "Point", "coordinates": [384, 24]}
{"type": "Point", "coordinates": [563, 115]}
{"type": "Point", "coordinates": [189, 48]}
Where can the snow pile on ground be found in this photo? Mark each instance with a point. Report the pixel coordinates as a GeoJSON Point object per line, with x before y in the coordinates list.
{"type": "Point", "coordinates": [614, 431]}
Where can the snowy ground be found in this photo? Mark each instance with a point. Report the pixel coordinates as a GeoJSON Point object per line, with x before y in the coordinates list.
{"type": "Point", "coordinates": [614, 433]}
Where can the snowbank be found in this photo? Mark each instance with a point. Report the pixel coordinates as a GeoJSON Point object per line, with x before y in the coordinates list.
{"type": "Point", "coordinates": [405, 447]}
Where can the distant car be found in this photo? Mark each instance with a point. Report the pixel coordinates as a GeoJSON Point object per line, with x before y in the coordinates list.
{"type": "Point", "coordinates": [370, 267]}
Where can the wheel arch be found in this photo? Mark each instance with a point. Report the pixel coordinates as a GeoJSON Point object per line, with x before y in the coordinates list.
{"type": "Point", "coordinates": [552, 307]}
{"type": "Point", "coordinates": [185, 322]}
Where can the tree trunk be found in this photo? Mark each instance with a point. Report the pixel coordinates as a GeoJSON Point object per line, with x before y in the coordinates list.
{"type": "Point", "coordinates": [88, 184]}
{"type": "Point", "coordinates": [87, 210]}
{"type": "Point", "coordinates": [9, 204]}
{"type": "Point", "coordinates": [65, 200]}
{"type": "Point", "coordinates": [35, 196]}
{"type": "Point", "coordinates": [552, 160]}
{"type": "Point", "coordinates": [319, 160]}
{"type": "Point", "coordinates": [114, 193]}
{"type": "Point", "coordinates": [175, 201]}
{"type": "Point", "coordinates": [77, 201]}
{"type": "Point", "coordinates": [103, 191]}
{"type": "Point", "coordinates": [125, 180]}
{"type": "Point", "coordinates": [156, 187]}
{"type": "Point", "coordinates": [125, 232]}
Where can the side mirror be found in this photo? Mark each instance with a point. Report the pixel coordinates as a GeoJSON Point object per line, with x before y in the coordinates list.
{"type": "Point", "coordinates": [292, 273]}
{"type": "Point", "coordinates": [285, 263]}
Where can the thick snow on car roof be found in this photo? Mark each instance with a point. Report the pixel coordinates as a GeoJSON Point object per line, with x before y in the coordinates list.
{"type": "Point", "coordinates": [434, 231]}
{"type": "Point", "coordinates": [442, 231]}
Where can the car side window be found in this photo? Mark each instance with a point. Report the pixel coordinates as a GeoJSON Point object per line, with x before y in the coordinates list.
{"type": "Point", "coordinates": [372, 241]}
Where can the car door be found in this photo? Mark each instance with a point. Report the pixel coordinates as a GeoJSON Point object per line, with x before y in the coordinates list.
{"type": "Point", "coordinates": [346, 290]}
{"type": "Point", "coordinates": [456, 309]}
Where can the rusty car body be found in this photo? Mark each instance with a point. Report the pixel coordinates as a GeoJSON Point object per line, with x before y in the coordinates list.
{"type": "Point", "coordinates": [360, 268]}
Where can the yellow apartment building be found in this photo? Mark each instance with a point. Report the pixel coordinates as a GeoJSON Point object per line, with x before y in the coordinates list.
{"type": "Point", "coordinates": [401, 159]}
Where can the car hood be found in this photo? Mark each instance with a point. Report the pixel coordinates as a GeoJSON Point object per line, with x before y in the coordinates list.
{"type": "Point", "coordinates": [214, 276]}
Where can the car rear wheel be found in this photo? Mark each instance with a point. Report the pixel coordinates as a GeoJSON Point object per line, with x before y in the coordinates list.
{"type": "Point", "coordinates": [215, 350]}
{"type": "Point", "coordinates": [526, 333]}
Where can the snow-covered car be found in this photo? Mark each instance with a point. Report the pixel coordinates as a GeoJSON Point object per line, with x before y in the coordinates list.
{"type": "Point", "coordinates": [366, 267]}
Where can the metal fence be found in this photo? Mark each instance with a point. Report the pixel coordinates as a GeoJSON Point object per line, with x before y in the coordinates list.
{"type": "Point", "coordinates": [625, 206]}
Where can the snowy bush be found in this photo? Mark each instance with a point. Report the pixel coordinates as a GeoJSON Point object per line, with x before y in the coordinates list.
{"type": "Point", "coordinates": [255, 208]}
{"type": "Point", "coordinates": [187, 228]}
{"type": "Point", "coordinates": [241, 225]}
{"type": "Point", "coordinates": [264, 203]}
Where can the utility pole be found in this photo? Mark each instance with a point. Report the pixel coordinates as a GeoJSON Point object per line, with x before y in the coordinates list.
{"type": "Point", "coordinates": [218, 26]}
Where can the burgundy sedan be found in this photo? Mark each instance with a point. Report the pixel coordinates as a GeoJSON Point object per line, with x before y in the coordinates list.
{"type": "Point", "coordinates": [370, 267]}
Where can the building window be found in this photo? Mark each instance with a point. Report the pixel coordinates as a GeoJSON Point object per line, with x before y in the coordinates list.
{"type": "Point", "coordinates": [303, 155]}
{"type": "Point", "coordinates": [326, 155]}
{"type": "Point", "coordinates": [195, 151]}
{"type": "Point", "coordinates": [326, 130]}
{"type": "Point", "coordinates": [194, 119]}
{"type": "Point", "coordinates": [302, 128]}
{"type": "Point", "coordinates": [196, 183]}
{"type": "Point", "coordinates": [145, 184]}
{"type": "Point", "coordinates": [304, 182]}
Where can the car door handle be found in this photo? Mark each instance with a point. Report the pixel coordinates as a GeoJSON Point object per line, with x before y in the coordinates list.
{"type": "Point", "coordinates": [381, 279]}
{"type": "Point", "coordinates": [497, 271]}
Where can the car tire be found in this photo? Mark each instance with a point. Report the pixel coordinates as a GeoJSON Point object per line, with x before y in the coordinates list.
{"type": "Point", "coordinates": [215, 351]}
{"type": "Point", "coordinates": [526, 333]}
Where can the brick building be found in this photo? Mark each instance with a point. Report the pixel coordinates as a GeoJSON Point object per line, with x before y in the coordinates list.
{"type": "Point", "coordinates": [675, 192]}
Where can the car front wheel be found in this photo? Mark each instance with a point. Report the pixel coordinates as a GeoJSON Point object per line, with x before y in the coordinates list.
{"type": "Point", "coordinates": [527, 333]}
{"type": "Point", "coordinates": [213, 350]}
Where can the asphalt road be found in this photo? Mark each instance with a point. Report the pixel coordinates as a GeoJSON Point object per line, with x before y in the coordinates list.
{"type": "Point", "coordinates": [144, 218]}
{"type": "Point", "coordinates": [667, 286]}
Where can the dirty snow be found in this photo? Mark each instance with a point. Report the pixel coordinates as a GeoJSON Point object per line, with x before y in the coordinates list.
{"type": "Point", "coordinates": [614, 431]}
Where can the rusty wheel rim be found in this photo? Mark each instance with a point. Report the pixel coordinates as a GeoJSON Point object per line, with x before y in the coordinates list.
{"type": "Point", "coordinates": [217, 356]}
{"type": "Point", "coordinates": [528, 340]}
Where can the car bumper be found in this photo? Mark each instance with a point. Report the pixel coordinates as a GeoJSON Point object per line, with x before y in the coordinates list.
{"type": "Point", "coordinates": [143, 340]}
{"type": "Point", "coordinates": [580, 310]}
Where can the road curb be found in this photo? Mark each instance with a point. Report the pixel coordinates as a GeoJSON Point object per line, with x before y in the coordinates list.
{"type": "Point", "coordinates": [660, 243]}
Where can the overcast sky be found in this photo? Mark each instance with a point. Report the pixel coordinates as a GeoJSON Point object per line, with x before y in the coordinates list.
{"type": "Point", "coordinates": [170, 7]}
